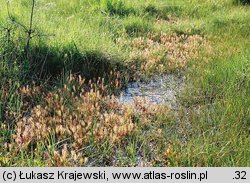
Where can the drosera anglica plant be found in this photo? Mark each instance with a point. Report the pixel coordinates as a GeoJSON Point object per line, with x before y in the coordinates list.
{"type": "Point", "coordinates": [82, 114]}
{"type": "Point", "coordinates": [162, 53]}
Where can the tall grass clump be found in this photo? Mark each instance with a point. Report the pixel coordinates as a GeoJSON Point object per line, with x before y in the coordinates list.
{"type": "Point", "coordinates": [119, 8]}
{"type": "Point", "coordinates": [244, 2]}
{"type": "Point", "coordinates": [164, 12]}
{"type": "Point", "coordinates": [137, 26]}
{"type": "Point", "coordinates": [155, 12]}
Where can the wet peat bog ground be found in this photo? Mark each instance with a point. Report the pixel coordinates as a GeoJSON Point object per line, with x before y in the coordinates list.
{"type": "Point", "coordinates": [124, 83]}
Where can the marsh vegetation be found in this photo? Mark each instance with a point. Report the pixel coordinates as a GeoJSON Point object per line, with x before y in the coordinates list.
{"type": "Point", "coordinates": [64, 64]}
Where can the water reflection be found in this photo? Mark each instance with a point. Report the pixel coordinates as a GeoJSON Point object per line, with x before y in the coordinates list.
{"type": "Point", "coordinates": [161, 90]}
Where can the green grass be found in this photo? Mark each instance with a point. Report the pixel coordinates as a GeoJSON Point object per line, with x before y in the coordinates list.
{"type": "Point", "coordinates": [93, 39]}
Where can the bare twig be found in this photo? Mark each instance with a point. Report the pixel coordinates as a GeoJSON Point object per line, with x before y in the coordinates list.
{"type": "Point", "coordinates": [8, 9]}
{"type": "Point", "coordinates": [43, 35]}
{"type": "Point", "coordinates": [30, 31]}
{"type": "Point", "coordinates": [20, 24]}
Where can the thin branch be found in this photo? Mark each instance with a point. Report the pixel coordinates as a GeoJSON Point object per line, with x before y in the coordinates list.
{"type": "Point", "coordinates": [30, 31]}
{"type": "Point", "coordinates": [43, 35]}
{"type": "Point", "coordinates": [8, 8]}
{"type": "Point", "coordinates": [20, 24]}
{"type": "Point", "coordinates": [32, 14]}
